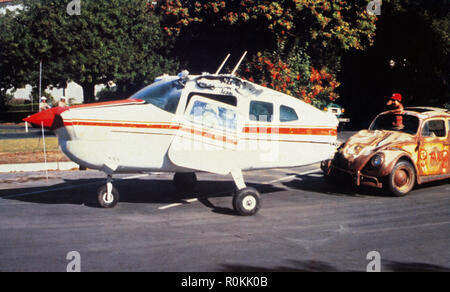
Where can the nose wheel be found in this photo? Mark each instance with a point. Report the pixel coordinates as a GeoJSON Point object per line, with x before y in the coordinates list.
{"type": "Point", "coordinates": [107, 195]}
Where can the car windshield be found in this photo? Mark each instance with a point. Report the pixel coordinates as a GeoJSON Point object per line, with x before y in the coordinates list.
{"type": "Point", "coordinates": [396, 122]}
{"type": "Point", "coordinates": [163, 94]}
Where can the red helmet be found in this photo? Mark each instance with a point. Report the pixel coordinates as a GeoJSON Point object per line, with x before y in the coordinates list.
{"type": "Point", "coordinates": [397, 97]}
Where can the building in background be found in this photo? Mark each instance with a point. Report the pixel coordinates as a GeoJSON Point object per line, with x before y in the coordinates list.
{"type": "Point", "coordinates": [9, 5]}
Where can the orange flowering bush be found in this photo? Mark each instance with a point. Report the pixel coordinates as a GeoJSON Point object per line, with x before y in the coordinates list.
{"type": "Point", "coordinates": [304, 38]}
{"type": "Point", "coordinates": [300, 80]}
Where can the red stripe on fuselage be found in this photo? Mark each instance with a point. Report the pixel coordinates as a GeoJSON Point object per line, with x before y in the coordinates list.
{"type": "Point", "coordinates": [291, 131]}
{"type": "Point", "coordinates": [249, 130]}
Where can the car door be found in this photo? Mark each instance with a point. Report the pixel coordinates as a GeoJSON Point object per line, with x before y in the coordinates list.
{"type": "Point", "coordinates": [207, 138]}
{"type": "Point", "coordinates": [434, 149]}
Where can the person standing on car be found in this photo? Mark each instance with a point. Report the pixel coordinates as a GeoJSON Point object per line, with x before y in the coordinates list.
{"type": "Point", "coordinates": [395, 103]}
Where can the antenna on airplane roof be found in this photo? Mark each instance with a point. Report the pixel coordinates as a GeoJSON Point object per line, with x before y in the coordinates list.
{"type": "Point", "coordinates": [239, 63]}
{"type": "Point", "coordinates": [223, 63]}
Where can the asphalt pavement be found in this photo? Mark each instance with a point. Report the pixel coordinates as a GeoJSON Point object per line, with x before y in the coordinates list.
{"type": "Point", "coordinates": [304, 224]}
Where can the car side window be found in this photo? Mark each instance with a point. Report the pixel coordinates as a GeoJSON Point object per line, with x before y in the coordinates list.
{"type": "Point", "coordinates": [287, 114]}
{"type": "Point", "coordinates": [261, 111]}
{"type": "Point", "coordinates": [434, 128]}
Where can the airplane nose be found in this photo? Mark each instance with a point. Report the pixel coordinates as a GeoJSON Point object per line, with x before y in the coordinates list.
{"type": "Point", "coordinates": [47, 118]}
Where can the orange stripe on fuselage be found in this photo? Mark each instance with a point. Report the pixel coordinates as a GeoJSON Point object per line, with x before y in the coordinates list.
{"type": "Point", "coordinates": [247, 129]}
{"type": "Point", "coordinates": [291, 131]}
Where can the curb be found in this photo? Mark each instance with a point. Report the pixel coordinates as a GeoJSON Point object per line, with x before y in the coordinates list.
{"type": "Point", "coordinates": [24, 167]}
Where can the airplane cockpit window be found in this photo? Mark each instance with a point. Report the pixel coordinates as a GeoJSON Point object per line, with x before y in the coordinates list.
{"type": "Point", "coordinates": [261, 111]}
{"type": "Point", "coordinates": [287, 114]}
{"type": "Point", "coordinates": [213, 116]}
{"type": "Point", "coordinates": [163, 94]}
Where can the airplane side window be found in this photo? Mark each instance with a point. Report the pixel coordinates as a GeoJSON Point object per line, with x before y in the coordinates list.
{"type": "Point", "coordinates": [434, 128]}
{"type": "Point", "coordinates": [261, 111]}
{"type": "Point", "coordinates": [287, 114]}
{"type": "Point", "coordinates": [213, 116]}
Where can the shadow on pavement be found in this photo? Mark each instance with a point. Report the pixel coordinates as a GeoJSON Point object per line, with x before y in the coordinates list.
{"type": "Point", "coordinates": [292, 266]}
{"type": "Point", "coordinates": [84, 191]}
{"type": "Point", "coordinates": [413, 267]}
{"type": "Point", "coordinates": [317, 184]}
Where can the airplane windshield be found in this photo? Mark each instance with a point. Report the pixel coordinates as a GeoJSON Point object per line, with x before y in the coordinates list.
{"type": "Point", "coordinates": [163, 94]}
{"type": "Point", "coordinates": [396, 122]}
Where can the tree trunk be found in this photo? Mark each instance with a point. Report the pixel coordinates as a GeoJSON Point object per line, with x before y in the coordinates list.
{"type": "Point", "coordinates": [88, 92]}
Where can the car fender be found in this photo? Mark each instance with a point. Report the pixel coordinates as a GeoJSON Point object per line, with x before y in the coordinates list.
{"type": "Point", "coordinates": [392, 157]}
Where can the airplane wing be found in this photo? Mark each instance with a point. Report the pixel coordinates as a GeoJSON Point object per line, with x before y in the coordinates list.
{"type": "Point", "coordinates": [207, 139]}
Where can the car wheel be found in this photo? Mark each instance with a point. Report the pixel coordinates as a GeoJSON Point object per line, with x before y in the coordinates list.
{"type": "Point", "coordinates": [402, 179]}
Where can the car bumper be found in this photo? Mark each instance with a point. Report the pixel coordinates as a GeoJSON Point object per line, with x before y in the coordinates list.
{"type": "Point", "coordinates": [359, 178]}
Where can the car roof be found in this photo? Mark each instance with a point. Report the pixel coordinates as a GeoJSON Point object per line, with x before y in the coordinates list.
{"type": "Point", "coordinates": [423, 112]}
{"type": "Point", "coordinates": [429, 111]}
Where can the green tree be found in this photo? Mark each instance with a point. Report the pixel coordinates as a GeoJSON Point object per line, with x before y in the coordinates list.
{"type": "Point", "coordinates": [295, 45]}
{"type": "Point", "coordinates": [116, 40]}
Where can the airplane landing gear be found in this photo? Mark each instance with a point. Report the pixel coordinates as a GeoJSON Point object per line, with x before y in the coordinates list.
{"type": "Point", "coordinates": [107, 195]}
{"type": "Point", "coordinates": [185, 182]}
{"type": "Point", "coordinates": [246, 200]}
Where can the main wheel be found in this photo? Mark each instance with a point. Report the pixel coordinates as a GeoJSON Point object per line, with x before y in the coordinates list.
{"type": "Point", "coordinates": [247, 202]}
{"type": "Point", "coordinates": [185, 182]}
{"type": "Point", "coordinates": [402, 179]}
{"type": "Point", "coordinates": [105, 200]}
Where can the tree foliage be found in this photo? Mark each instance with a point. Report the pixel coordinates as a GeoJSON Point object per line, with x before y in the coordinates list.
{"type": "Point", "coordinates": [116, 40]}
{"type": "Point", "coordinates": [297, 42]}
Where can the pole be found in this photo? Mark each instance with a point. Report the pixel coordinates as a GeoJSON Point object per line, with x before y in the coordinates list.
{"type": "Point", "coordinates": [40, 81]}
{"type": "Point", "coordinates": [45, 151]}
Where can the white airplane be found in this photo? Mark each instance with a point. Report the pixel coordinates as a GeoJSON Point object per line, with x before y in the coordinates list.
{"type": "Point", "coordinates": [186, 124]}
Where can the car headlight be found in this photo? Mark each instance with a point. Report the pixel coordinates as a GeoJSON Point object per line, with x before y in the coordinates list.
{"type": "Point", "coordinates": [377, 160]}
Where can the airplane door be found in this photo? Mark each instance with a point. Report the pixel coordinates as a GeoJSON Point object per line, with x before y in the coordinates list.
{"type": "Point", "coordinates": [208, 136]}
{"type": "Point", "coordinates": [434, 149]}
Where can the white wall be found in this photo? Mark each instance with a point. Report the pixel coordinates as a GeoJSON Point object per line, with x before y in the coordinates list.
{"type": "Point", "coordinates": [73, 90]}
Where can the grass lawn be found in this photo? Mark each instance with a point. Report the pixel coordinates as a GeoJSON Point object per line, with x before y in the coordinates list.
{"type": "Point", "coordinates": [30, 150]}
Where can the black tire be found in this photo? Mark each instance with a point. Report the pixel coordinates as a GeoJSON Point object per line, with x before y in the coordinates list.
{"type": "Point", "coordinates": [402, 179]}
{"type": "Point", "coordinates": [105, 202]}
{"type": "Point", "coordinates": [185, 182]}
{"type": "Point", "coordinates": [247, 202]}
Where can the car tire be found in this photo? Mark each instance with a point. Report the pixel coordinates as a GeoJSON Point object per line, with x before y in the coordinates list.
{"type": "Point", "coordinates": [402, 179]}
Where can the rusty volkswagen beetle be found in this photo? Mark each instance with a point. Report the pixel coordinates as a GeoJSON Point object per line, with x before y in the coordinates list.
{"type": "Point", "coordinates": [399, 150]}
